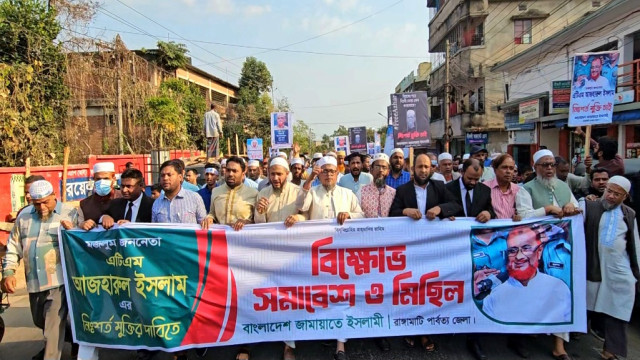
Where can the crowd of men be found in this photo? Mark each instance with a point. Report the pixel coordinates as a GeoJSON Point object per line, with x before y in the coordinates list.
{"type": "Point", "coordinates": [291, 188]}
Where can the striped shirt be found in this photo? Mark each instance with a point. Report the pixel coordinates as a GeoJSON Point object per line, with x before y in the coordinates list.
{"type": "Point", "coordinates": [186, 207]}
{"type": "Point", "coordinates": [404, 178]}
{"type": "Point", "coordinates": [504, 204]}
{"type": "Point", "coordinates": [36, 242]}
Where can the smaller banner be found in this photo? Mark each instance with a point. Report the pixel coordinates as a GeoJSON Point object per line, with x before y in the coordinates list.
{"type": "Point", "coordinates": [17, 192]}
{"type": "Point", "coordinates": [593, 88]}
{"type": "Point", "coordinates": [528, 111]}
{"type": "Point", "coordinates": [560, 96]}
{"type": "Point", "coordinates": [281, 130]}
{"type": "Point", "coordinates": [371, 148]}
{"type": "Point", "coordinates": [477, 138]}
{"type": "Point", "coordinates": [341, 143]}
{"type": "Point", "coordinates": [254, 149]}
{"type": "Point", "coordinates": [358, 139]}
{"type": "Point", "coordinates": [411, 119]}
{"type": "Point", "coordinates": [389, 143]}
{"type": "Point", "coordinates": [377, 147]}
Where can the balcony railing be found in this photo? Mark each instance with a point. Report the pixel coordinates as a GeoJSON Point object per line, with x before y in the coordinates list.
{"type": "Point", "coordinates": [630, 78]}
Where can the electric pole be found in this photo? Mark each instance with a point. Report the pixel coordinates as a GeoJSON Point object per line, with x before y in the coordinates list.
{"type": "Point", "coordinates": [445, 136]}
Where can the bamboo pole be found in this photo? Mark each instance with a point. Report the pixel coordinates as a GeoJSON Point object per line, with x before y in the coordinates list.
{"type": "Point", "coordinates": [237, 146]}
{"type": "Point", "coordinates": [229, 146]}
{"type": "Point", "coordinates": [27, 167]}
{"type": "Point", "coordinates": [587, 142]}
{"type": "Point", "coordinates": [65, 167]}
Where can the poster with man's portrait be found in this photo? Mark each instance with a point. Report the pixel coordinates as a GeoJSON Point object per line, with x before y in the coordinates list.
{"type": "Point", "coordinates": [593, 88]}
{"type": "Point", "coordinates": [358, 139]}
{"type": "Point", "coordinates": [341, 143]}
{"type": "Point", "coordinates": [281, 130]}
{"type": "Point", "coordinates": [254, 149]}
{"type": "Point", "coordinates": [527, 264]}
{"type": "Point", "coordinates": [410, 119]}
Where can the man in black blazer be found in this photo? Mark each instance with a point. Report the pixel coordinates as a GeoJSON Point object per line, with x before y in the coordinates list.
{"type": "Point", "coordinates": [476, 200]}
{"type": "Point", "coordinates": [439, 201]}
{"type": "Point", "coordinates": [133, 206]}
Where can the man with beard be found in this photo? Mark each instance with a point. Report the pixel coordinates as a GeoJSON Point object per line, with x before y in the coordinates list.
{"type": "Point", "coordinates": [355, 179]}
{"type": "Point", "coordinates": [398, 175]}
{"type": "Point", "coordinates": [297, 171]}
{"type": "Point", "coordinates": [552, 296]}
{"type": "Point", "coordinates": [612, 245]}
{"type": "Point", "coordinates": [470, 194]}
{"type": "Point", "coordinates": [34, 238]}
{"type": "Point", "coordinates": [577, 184]}
{"type": "Point", "coordinates": [94, 206]}
{"type": "Point", "coordinates": [376, 198]}
{"type": "Point", "coordinates": [481, 154]}
{"type": "Point", "coordinates": [232, 203]}
{"type": "Point", "coordinates": [548, 195]}
{"type": "Point", "coordinates": [445, 162]}
{"type": "Point", "coordinates": [329, 201]}
{"type": "Point", "coordinates": [599, 179]}
{"type": "Point", "coordinates": [253, 171]}
{"type": "Point", "coordinates": [366, 163]}
{"type": "Point", "coordinates": [211, 178]}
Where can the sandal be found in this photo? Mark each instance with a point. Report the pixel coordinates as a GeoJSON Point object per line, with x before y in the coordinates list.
{"type": "Point", "coordinates": [427, 344]}
{"type": "Point", "coordinates": [562, 357]}
{"type": "Point", "coordinates": [608, 356]}
{"type": "Point", "coordinates": [409, 342]}
{"type": "Point", "coordinates": [243, 354]}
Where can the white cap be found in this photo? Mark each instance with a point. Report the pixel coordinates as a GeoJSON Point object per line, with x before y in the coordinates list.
{"type": "Point", "coordinates": [331, 153]}
{"type": "Point", "coordinates": [621, 181]}
{"type": "Point", "coordinates": [211, 170]}
{"type": "Point", "coordinates": [297, 161]}
{"type": "Point", "coordinates": [223, 163]}
{"type": "Point", "coordinates": [466, 156]}
{"type": "Point", "coordinates": [445, 156]}
{"type": "Point", "coordinates": [279, 161]}
{"type": "Point", "coordinates": [397, 150]}
{"type": "Point", "coordinates": [41, 189]}
{"type": "Point", "coordinates": [380, 156]}
{"type": "Point", "coordinates": [282, 154]}
{"type": "Point", "coordinates": [317, 155]}
{"type": "Point", "coordinates": [104, 167]}
{"type": "Point", "coordinates": [254, 163]}
{"type": "Point", "coordinates": [327, 160]}
{"type": "Point", "coordinates": [540, 154]}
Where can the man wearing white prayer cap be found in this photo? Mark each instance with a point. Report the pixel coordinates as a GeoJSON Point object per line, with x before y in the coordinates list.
{"type": "Point", "coordinates": [94, 206]}
{"type": "Point", "coordinates": [34, 239]}
{"type": "Point", "coordinates": [329, 201]}
{"type": "Point", "coordinates": [397, 176]}
{"type": "Point", "coordinates": [445, 163]}
{"type": "Point", "coordinates": [612, 245]}
{"type": "Point", "coordinates": [253, 171]}
{"type": "Point", "coordinates": [297, 171]}
{"type": "Point", "coordinates": [548, 196]}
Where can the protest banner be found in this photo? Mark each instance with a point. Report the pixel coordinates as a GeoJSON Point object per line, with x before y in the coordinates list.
{"type": "Point", "coordinates": [560, 96]}
{"type": "Point", "coordinates": [593, 88]}
{"type": "Point", "coordinates": [377, 148]}
{"type": "Point", "coordinates": [169, 286]}
{"type": "Point", "coordinates": [358, 139]}
{"type": "Point", "coordinates": [410, 119]}
{"type": "Point", "coordinates": [341, 143]}
{"type": "Point", "coordinates": [281, 130]}
{"type": "Point", "coordinates": [254, 149]}
{"type": "Point", "coordinates": [371, 148]}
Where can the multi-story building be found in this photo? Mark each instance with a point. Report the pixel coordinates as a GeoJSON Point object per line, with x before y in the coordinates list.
{"type": "Point", "coordinates": [482, 33]}
{"type": "Point", "coordinates": [530, 77]}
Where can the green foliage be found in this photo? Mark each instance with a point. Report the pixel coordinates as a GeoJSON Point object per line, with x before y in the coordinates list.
{"type": "Point", "coordinates": [340, 131]}
{"type": "Point", "coordinates": [176, 115]}
{"type": "Point", "coordinates": [255, 76]}
{"type": "Point", "coordinates": [303, 136]}
{"type": "Point", "coordinates": [32, 90]}
{"type": "Point", "coordinates": [172, 55]}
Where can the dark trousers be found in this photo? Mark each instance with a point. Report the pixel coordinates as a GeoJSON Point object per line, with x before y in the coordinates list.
{"type": "Point", "coordinates": [49, 312]}
{"type": "Point", "coordinates": [615, 335]}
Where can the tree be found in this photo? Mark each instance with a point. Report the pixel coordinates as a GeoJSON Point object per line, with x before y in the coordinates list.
{"type": "Point", "coordinates": [33, 95]}
{"type": "Point", "coordinates": [255, 76]}
{"type": "Point", "coordinates": [172, 55]}
{"type": "Point", "coordinates": [303, 136]}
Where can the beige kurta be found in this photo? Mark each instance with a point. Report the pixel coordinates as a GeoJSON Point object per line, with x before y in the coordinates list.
{"type": "Point", "coordinates": [229, 205]}
{"type": "Point", "coordinates": [282, 204]}
{"type": "Point", "coordinates": [323, 204]}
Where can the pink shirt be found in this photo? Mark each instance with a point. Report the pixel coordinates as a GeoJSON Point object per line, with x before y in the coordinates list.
{"type": "Point", "coordinates": [503, 203]}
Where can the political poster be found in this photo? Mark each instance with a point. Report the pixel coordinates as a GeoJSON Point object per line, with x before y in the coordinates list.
{"type": "Point", "coordinates": [254, 149]}
{"type": "Point", "coordinates": [410, 119]}
{"type": "Point", "coordinates": [560, 96]}
{"type": "Point", "coordinates": [371, 148]}
{"type": "Point", "coordinates": [281, 130]}
{"type": "Point", "coordinates": [389, 144]}
{"type": "Point", "coordinates": [173, 287]}
{"type": "Point", "coordinates": [358, 139]}
{"type": "Point", "coordinates": [593, 88]}
{"type": "Point", "coordinates": [341, 143]}
{"type": "Point", "coordinates": [377, 147]}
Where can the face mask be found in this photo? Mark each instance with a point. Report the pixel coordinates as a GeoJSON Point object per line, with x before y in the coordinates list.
{"type": "Point", "coordinates": [102, 187]}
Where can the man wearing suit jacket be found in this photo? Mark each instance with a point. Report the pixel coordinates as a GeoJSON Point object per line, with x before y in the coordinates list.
{"type": "Point", "coordinates": [424, 195]}
{"type": "Point", "coordinates": [473, 196]}
{"type": "Point", "coordinates": [133, 206]}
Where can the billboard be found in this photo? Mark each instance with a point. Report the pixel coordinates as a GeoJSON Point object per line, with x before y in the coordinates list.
{"type": "Point", "coordinates": [411, 119]}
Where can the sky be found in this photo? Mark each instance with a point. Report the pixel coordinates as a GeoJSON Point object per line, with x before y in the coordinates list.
{"type": "Point", "coordinates": [323, 90]}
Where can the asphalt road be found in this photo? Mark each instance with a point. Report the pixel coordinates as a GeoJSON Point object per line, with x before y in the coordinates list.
{"type": "Point", "coordinates": [22, 340]}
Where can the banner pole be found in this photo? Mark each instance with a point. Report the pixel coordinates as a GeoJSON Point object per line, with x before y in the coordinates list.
{"type": "Point", "coordinates": [445, 136]}
{"type": "Point", "coordinates": [587, 142]}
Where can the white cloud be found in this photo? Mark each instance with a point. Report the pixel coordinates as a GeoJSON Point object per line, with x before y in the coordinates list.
{"type": "Point", "coordinates": [255, 10]}
{"type": "Point", "coordinates": [189, 2]}
{"type": "Point", "coordinates": [220, 7]}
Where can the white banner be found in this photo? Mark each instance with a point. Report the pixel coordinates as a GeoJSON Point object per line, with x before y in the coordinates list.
{"type": "Point", "coordinates": [593, 88]}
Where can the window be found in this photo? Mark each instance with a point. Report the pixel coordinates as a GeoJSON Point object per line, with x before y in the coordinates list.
{"type": "Point", "coordinates": [478, 37]}
{"type": "Point", "coordinates": [522, 31]}
{"type": "Point", "coordinates": [481, 99]}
